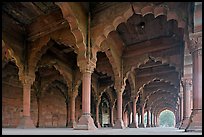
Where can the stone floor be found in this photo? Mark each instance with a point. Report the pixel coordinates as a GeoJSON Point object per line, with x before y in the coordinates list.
{"type": "Point", "coordinates": [101, 131]}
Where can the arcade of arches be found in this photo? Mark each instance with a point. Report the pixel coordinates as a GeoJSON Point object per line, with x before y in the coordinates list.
{"type": "Point", "coordinates": [99, 64]}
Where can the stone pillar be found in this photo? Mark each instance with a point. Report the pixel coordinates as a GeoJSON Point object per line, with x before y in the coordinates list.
{"type": "Point", "coordinates": [26, 121]}
{"type": "Point", "coordinates": [72, 123]}
{"type": "Point", "coordinates": [154, 120]}
{"type": "Point", "coordinates": [181, 108]}
{"type": "Point", "coordinates": [97, 113]}
{"type": "Point", "coordinates": [152, 125]}
{"type": "Point", "coordinates": [119, 123]}
{"type": "Point", "coordinates": [125, 118]}
{"type": "Point", "coordinates": [177, 118]}
{"type": "Point", "coordinates": [86, 122]}
{"type": "Point", "coordinates": [187, 103]}
{"type": "Point", "coordinates": [148, 117]}
{"type": "Point", "coordinates": [112, 114]}
{"type": "Point", "coordinates": [195, 122]}
{"type": "Point", "coordinates": [134, 122]}
{"type": "Point", "coordinates": [139, 119]}
{"type": "Point", "coordinates": [142, 116]}
{"type": "Point", "coordinates": [130, 118]}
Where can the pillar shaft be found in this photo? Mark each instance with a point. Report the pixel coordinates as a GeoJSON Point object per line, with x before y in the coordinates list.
{"type": "Point", "coordinates": [26, 121]}
{"type": "Point", "coordinates": [86, 93]}
{"type": "Point", "coordinates": [187, 99]}
{"type": "Point", "coordinates": [134, 108]}
{"type": "Point", "coordinates": [112, 114]}
{"type": "Point", "coordinates": [195, 122]}
{"type": "Point", "coordinates": [152, 120]}
{"type": "Point", "coordinates": [97, 114]}
{"type": "Point", "coordinates": [148, 118]}
{"type": "Point", "coordinates": [86, 121]}
{"type": "Point", "coordinates": [119, 123]}
{"type": "Point", "coordinates": [26, 99]}
{"type": "Point", "coordinates": [142, 116]}
{"type": "Point", "coordinates": [72, 122]}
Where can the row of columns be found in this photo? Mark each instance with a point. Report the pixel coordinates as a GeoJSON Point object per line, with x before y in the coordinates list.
{"type": "Point", "coordinates": [192, 117]}
{"type": "Point", "coordinates": [193, 120]}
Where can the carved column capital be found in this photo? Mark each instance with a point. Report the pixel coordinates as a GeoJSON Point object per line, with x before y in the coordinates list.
{"type": "Point", "coordinates": [195, 42]}
{"type": "Point", "coordinates": [87, 66]}
{"type": "Point", "coordinates": [26, 79]}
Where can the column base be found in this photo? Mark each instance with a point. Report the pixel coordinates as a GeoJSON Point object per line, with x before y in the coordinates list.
{"type": "Point", "coordinates": [72, 124]}
{"type": "Point", "coordinates": [112, 124]}
{"type": "Point", "coordinates": [119, 124]}
{"type": "Point", "coordinates": [98, 125]}
{"type": "Point", "coordinates": [195, 122]}
{"type": "Point", "coordinates": [26, 122]}
{"type": "Point", "coordinates": [133, 125]}
{"type": "Point", "coordinates": [148, 125]}
{"type": "Point", "coordinates": [85, 123]}
{"type": "Point", "coordinates": [184, 123]}
{"type": "Point", "coordinates": [177, 125]}
{"type": "Point", "coordinates": [141, 125]}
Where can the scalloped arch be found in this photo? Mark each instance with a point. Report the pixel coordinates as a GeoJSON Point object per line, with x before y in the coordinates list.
{"type": "Point", "coordinates": [68, 14]}
{"type": "Point", "coordinates": [144, 59]}
{"type": "Point", "coordinates": [41, 45]}
{"type": "Point", "coordinates": [16, 58]}
{"type": "Point", "coordinates": [149, 9]}
{"type": "Point", "coordinates": [155, 79]}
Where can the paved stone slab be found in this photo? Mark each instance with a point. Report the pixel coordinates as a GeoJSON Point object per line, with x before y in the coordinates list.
{"type": "Point", "coordinates": [102, 131]}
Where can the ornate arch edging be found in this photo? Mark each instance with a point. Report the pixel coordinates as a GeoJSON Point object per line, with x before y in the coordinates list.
{"type": "Point", "coordinates": [16, 58]}
{"type": "Point", "coordinates": [155, 79]}
{"type": "Point", "coordinates": [69, 15]}
{"type": "Point", "coordinates": [143, 60]}
{"type": "Point", "coordinates": [155, 10]}
{"type": "Point", "coordinates": [41, 45]}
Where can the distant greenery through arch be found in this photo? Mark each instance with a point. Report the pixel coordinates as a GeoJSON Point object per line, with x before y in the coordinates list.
{"type": "Point", "coordinates": [166, 119]}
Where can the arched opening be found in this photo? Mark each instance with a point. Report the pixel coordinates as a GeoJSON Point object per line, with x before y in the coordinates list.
{"type": "Point", "coordinates": [12, 94]}
{"type": "Point", "coordinates": [104, 111]}
{"type": "Point", "coordinates": [166, 118]}
{"type": "Point", "coordinates": [49, 99]}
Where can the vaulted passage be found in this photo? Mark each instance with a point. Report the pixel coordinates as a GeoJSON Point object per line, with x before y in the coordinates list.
{"type": "Point", "coordinates": [102, 65]}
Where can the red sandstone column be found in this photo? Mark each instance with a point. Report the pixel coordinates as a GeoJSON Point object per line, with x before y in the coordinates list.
{"type": "Point", "coordinates": [152, 125]}
{"type": "Point", "coordinates": [181, 108]}
{"type": "Point", "coordinates": [134, 122]}
{"type": "Point", "coordinates": [112, 112]}
{"type": "Point", "coordinates": [142, 116]}
{"type": "Point", "coordinates": [86, 121]}
{"type": "Point", "coordinates": [195, 122]}
{"type": "Point", "coordinates": [187, 102]}
{"type": "Point", "coordinates": [119, 123]}
{"type": "Point", "coordinates": [155, 120]}
{"type": "Point", "coordinates": [139, 119]}
{"type": "Point", "coordinates": [72, 122]}
{"type": "Point", "coordinates": [26, 121]}
{"type": "Point", "coordinates": [148, 117]}
{"type": "Point", "coordinates": [97, 113]}
{"type": "Point", "coordinates": [125, 118]}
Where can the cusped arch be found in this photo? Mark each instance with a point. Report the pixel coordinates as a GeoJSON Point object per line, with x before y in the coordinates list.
{"type": "Point", "coordinates": [143, 60]}
{"type": "Point", "coordinates": [153, 80]}
{"type": "Point", "coordinates": [41, 45]}
{"type": "Point", "coordinates": [67, 77]}
{"type": "Point", "coordinates": [11, 53]}
{"type": "Point", "coordinates": [149, 9]}
{"type": "Point", "coordinates": [69, 15]}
